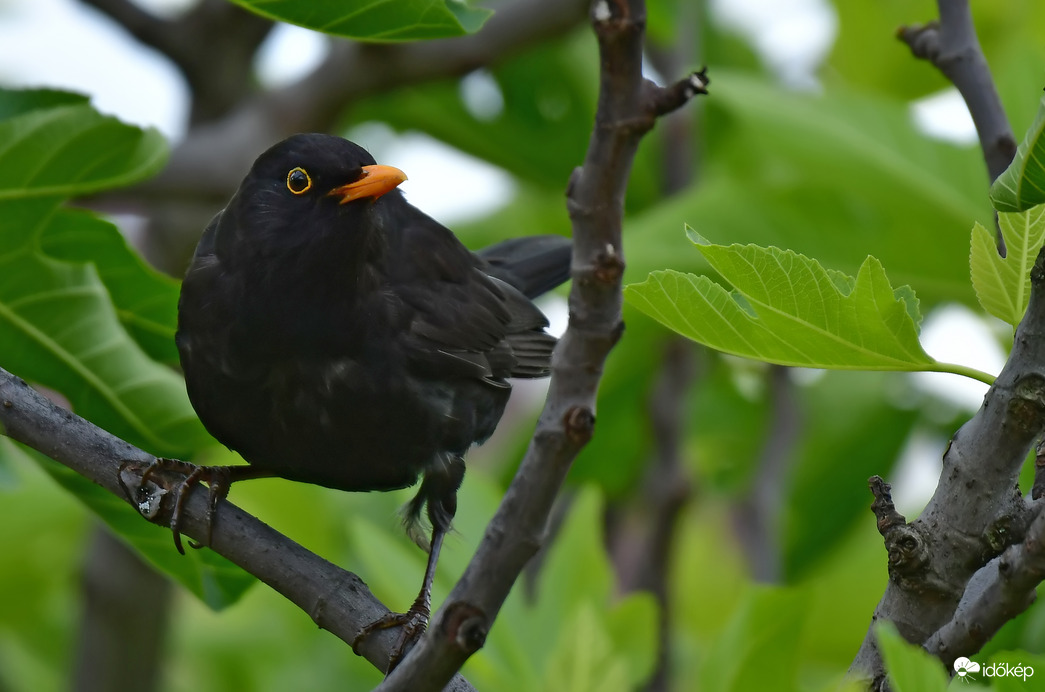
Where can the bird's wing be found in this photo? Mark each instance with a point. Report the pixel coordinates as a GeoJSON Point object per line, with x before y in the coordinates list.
{"type": "Point", "coordinates": [533, 264]}
{"type": "Point", "coordinates": [461, 319]}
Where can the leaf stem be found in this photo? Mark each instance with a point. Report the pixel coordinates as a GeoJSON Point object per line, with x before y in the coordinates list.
{"type": "Point", "coordinates": [956, 369]}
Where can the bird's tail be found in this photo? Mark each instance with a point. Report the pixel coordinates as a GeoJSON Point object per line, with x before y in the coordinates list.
{"type": "Point", "coordinates": [532, 264]}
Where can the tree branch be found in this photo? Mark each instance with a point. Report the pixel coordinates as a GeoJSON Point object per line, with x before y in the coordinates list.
{"type": "Point", "coordinates": [977, 510]}
{"type": "Point", "coordinates": [756, 515]}
{"type": "Point", "coordinates": [952, 47]}
{"type": "Point", "coordinates": [337, 600]}
{"type": "Point", "coordinates": [641, 533]}
{"type": "Point", "coordinates": [999, 592]}
{"type": "Point", "coordinates": [118, 649]}
{"type": "Point", "coordinates": [628, 107]}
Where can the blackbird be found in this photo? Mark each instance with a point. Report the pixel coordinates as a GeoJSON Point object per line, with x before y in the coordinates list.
{"type": "Point", "coordinates": [332, 333]}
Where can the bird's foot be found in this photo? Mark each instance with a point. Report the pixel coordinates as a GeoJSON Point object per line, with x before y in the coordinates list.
{"type": "Point", "coordinates": [413, 623]}
{"type": "Point", "coordinates": [217, 478]}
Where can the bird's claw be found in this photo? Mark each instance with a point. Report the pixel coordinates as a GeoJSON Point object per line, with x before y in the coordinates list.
{"type": "Point", "coordinates": [217, 478]}
{"type": "Point", "coordinates": [413, 623]}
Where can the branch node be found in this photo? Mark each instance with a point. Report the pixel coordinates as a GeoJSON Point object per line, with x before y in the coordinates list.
{"type": "Point", "coordinates": [883, 508]}
{"type": "Point", "coordinates": [663, 100]}
{"type": "Point", "coordinates": [609, 265]}
{"type": "Point", "coordinates": [145, 497]}
{"type": "Point", "coordinates": [922, 39]}
{"type": "Point", "coordinates": [908, 553]}
{"type": "Point", "coordinates": [466, 626]}
{"type": "Point", "coordinates": [699, 80]}
{"type": "Point", "coordinates": [1027, 405]}
{"type": "Point", "coordinates": [580, 424]}
{"type": "Point", "coordinates": [1004, 531]}
{"type": "Point", "coordinates": [907, 550]}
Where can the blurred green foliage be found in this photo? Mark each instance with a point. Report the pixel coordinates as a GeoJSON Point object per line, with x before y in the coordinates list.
{"type": "Point", "coordinates": [376, 20]}
{"type": "Point", "coordinates": [837, 174]}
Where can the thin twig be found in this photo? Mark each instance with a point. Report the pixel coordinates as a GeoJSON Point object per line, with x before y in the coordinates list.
{"type": "Point", "coordinates": [641, 532]}
{"type": "Point", "coordinates": [952, 46]}
{"type": "Point", "coordinates": [756, 515]}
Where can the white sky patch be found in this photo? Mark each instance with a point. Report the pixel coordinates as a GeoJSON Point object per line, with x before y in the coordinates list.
{"type": "Point", "coordinates": [557, 310]}
{"type": "Point", "coordinates": [917, 472]}
{"type": "Point", "coordinates": [945, 116]}
{"type": "Point", "coordinates": [951, 333]}
{"type": "Point", "coordinates": [288, 54]}
{"type": "Point", "coordinates": [954, 334]}
{"type": "Point", "coordinates": [481, 95]}
{"type": "Point", "coordinates": [63, 45]}
{"type": "Point", "coordinates": [806, 376]}
{"type": "Point", "coordinates": [792, 36]}
{"type": "Point", "coordinates": [166, 8]}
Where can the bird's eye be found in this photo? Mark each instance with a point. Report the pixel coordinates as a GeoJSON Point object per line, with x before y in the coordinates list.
{"type": "Point", "coordinates": [298, 181]}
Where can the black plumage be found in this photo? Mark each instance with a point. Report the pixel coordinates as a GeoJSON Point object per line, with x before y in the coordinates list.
{"type": "Point", "coordinates": [332, 333]}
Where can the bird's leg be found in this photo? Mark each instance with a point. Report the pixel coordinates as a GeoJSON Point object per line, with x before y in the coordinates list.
{"type": "Point", "coordinates": [218, 480]}
{"type": "Point", "coordinates": [413, 621]}
{"type": "Point", "coordinates": [438, 494]}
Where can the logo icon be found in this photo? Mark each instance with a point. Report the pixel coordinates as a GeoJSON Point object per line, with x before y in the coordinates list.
{"type": "Point", "coordinates": [964, 669]}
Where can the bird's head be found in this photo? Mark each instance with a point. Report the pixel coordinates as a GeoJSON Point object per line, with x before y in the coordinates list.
{"type": "Point", "coordinates": [305, 188]}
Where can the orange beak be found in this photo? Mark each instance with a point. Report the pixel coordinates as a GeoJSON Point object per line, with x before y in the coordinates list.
{"type": "Point", "coordinates": [373, 182]}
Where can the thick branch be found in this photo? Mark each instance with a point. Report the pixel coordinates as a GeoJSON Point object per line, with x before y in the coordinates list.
{"type": "Point", "coordinates": [970, 518]}
{"type": "Point", "coordinates": [337, 600]}
{"type": "Point", "coordinates": [976, 511]}
{"type": "Point", "coordinates": [952, 46]}
{"type": "Point", "coordinates": [627, 108]}
{"type": "Point", "coordinates": [999, 592]}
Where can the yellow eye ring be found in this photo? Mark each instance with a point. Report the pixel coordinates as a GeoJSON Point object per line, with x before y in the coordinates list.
{"type": "Point", "coordinates": [299, 181]}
